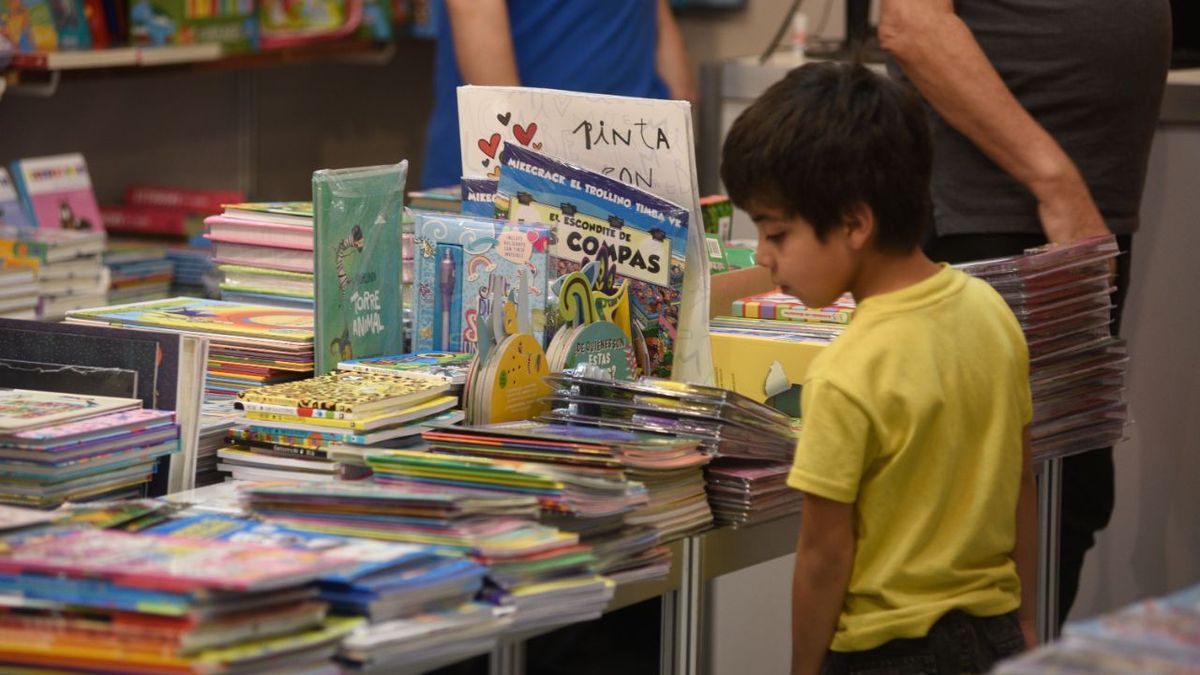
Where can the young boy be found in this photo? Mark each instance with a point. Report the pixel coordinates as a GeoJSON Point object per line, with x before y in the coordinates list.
{"type": "Point", "coordinates": [917, 543]}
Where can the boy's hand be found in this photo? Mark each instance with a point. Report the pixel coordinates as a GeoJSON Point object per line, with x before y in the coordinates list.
{"type": "Point", "coordinates": [1029, 630]}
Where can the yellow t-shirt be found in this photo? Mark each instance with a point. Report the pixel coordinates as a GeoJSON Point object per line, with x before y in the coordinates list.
{"type": "Point", "coordinates": [915, 416]}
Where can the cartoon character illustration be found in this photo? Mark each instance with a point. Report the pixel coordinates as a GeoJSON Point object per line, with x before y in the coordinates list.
{"type": "Point", "coordinates": [68, 220]}
{"type": "Point", "coordinates": [352, 242]}
{"type": "Point", "coordinates": [427, 247]}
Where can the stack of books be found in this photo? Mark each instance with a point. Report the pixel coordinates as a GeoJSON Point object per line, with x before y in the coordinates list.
{"type": "Point", "coordinates": [264, 252]}
{"type": "Point", "coordinates": [298, 430]}
{"type": "Point", "coordinates": [18, 291]}
{"type": "Point", "coordinates": [427, 640]}
{"type": "Point", "coordinates": [105, 600]}
{"type": "Point", "coordinates": [139, 271]}
{"type": "Point", "coordinates": [56, 447]}
{"type": "Point", "coordinates": [746, 492]}
{"type": "Point", "coordinates": [68, 264]}
{"type": "Point", "coordinates": [1061, 296]}
{"type": "Point", "coordinates": [249, 345]}
{"type": "Point", "coordinates": [448, 367]}
{"type": "Point", "coordinates": [194, 272]}
{"type": "Point", "coordinates": [725, 424]}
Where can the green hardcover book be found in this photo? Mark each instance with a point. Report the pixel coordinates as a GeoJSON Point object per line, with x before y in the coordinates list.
{"type": "Point", "coordinates": [357, 273]}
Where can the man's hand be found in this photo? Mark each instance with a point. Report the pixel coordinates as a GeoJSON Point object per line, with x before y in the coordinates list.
{"type": "Point", "coordinates": [1068, 212]}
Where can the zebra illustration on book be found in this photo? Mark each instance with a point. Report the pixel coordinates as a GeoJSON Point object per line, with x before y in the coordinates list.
{"type": "Point", "coordinates": [353, 241]}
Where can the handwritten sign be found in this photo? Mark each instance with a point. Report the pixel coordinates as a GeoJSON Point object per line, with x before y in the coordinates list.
{"type": "Point", "coordinates": [647, 143]}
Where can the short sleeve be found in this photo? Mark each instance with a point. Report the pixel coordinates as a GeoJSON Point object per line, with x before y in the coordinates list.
{"type": "Point", "coordinates": [835, 443]}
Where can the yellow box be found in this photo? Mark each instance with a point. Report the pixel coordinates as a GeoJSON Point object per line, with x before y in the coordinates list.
{"type": "Point", "coordinates": [742, 363]}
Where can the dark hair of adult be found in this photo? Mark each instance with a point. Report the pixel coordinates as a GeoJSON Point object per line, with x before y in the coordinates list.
{"type": "Point", "coordinates": [827, 137]}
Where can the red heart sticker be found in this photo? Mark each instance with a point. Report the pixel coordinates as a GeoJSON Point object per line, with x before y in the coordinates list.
{"type": "Point", "coordinates": [524, 134]}
{"type": "Point", "coordinates": [489, 146]}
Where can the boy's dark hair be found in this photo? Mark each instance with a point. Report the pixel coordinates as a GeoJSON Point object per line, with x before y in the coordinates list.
{"type": "Point", "coordinates": [830, 136]}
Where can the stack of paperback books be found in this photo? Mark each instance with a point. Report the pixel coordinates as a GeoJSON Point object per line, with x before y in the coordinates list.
{"type": "Point", "coordinates": [103, 600]}
{"type": "Point", "coordinates": [249, 345]}
{"type": "Point", "coordinates": [194, 272]}
{"type": "Point", "coordinates": [726, 424]}
{"type": "Point", "coordinates": [70, 272]}
{"type": "Point", "coordinates": [303, 430]}
{"type": "Point", "coordinates": [1061, 296]}
{"type": "Point", "coordinates": [264, 252]}
{"type": "Point", "coordinates": [56, 447]}
{"type": "Point", "coordinates": [18, 291]}
{"type": "Point", "coordinates": [139, 271]}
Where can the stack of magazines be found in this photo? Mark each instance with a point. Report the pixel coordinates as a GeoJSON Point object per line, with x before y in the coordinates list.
{"type": "Point", "coordinates": [740, 434]}
{"type": "Point", "coordinates": [1061, 296]}
{"type": "Point", "coordinates": [103, 600]}
{"type": "Point", "coordinates": [56, 447]}
{"type": "Point", "coordinates": [296, 430]}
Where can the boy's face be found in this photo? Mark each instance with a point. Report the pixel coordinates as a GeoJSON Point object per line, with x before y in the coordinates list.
{"type": "Point", "coordinates": [816, 271]}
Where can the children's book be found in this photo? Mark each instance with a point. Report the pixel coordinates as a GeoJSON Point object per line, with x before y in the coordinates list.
{"type": "Point", "coordinates": [236, 231]}
{"type": "Point", "coordinates": [168, 563]}
{"type": "Point", "coordinates": [465, 267]}
{"type": "Point", "coordinates": [12, 211]}
{"type": "Point", "coordinates": [65, 435]}
{"type": "Point", "coordinates": [283, 213]}
{"type": "Point", "coordinates": [479, 197]}
{"type": "Point", "coordinates": [357, 266]}
{"type": "Point", "coordinates": [200, 315]}
{"type": "Point", "coordinates": [28, 25]}
{"type": "Point", "coordinates": [53, 246]}
{"type": "Point", "coordinates": [645, 143]}
{"type": "Point", "coordinates": [343, 392]}
{"type": "Point", "coordinates": [71, 21]}
{"type": "Point", "coordinates": [632, 235]}
{"type": "Point", "coordinates": [24, 409]}
{"type": "Point", "coordinates": [156, 23]}
{"type": "Point", "coordinates": [445, 366]}
{"type": "Point", "coordinates": [783, 307]}
{"type": "Point", "coordinates": [59, 192]}
{"type": "Point", "coordinates": [287, 24]}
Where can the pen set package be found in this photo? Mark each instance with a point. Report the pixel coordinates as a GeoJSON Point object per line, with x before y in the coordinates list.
{"type": "Point", "coordinates": [456, 260]}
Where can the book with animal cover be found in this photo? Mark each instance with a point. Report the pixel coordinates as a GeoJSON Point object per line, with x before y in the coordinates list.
{"type": "Point", "coordinates": [58, 190]}
{"type": "Point", "coordinates": [447, 366]}
{"type": "Point", "coordinates": [646, 143]}
{"type": "Point", "coordinates": [783, 307]}
{"type": "Point", "coordinates": [351, 393]}
{"type": "Point", "coordinates": [12, 211]}
{"type": "Point", "coordinates": [631, 234]}
{"type": "Point", "coordinates": [22, 409]}
{"type": "Point", "coordinates": [357, 269]}
{"type": "Point", "coordinates": [361, 423]}
{"type": "Point", "coordinates": [201, 315]}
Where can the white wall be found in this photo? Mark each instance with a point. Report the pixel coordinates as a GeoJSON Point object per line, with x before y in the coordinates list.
{"type": "Point", "coordinates": [1152, 545]}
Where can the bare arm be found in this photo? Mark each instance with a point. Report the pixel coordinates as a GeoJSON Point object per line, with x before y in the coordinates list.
{"type": "Point", "coordinates": [483, 42]}
{"type": "Point", "coordinates": [671, 57]}
{"type": "Point", "coordinates": [941, 56]}
{"type": "Point", "coordinates": [1025, 553]}
{"type": "Point", "coordinates": [824, 559]}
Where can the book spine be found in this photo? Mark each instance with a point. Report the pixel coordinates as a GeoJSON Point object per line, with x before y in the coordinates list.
{"type": "Point", "coordinates": [281, 417]}
{"type": "Point", "coordinates": [145, 220]}
{"type": "Point", "coordinates": [205, 202]}
{"type": "Point", "coordinates": [784, 313]}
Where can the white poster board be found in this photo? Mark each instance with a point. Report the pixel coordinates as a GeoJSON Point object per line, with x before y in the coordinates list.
{"type": "Point", "coordinates": [647, 143]}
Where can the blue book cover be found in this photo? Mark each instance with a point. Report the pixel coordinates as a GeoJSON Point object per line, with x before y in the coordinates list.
{"type": "Point", "coordinates": [479, 197]}
{"type": "Point", "coordinates": [597, 217]}
{"type": "Point", "coordinates": [12, 211]}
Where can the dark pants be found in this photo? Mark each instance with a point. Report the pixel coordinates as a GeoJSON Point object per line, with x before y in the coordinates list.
{"type": "Point", "coordinates": [957, 643]}
{"type": "Point", "coordinates": [1087, 478]}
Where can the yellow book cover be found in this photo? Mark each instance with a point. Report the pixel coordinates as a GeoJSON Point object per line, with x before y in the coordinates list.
{"type": "Point", "coordinates": [345, 391]}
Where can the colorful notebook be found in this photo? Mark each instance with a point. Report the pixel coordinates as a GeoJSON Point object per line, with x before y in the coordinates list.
{"type": "Point", "coordinates": [357, 265]}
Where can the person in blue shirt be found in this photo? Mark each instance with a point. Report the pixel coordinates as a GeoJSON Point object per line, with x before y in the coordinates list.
{"type": "Point", "coordinates": [624, 47]}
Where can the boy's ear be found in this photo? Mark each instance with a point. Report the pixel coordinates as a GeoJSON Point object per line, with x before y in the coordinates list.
{"type": "Point", "coordinates": [860, 225]}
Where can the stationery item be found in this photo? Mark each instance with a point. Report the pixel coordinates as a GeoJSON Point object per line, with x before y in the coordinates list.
{"type": "Point", "coordinates": [357, 269]}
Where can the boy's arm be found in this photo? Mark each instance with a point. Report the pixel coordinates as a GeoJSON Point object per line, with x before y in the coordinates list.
{"type": "Point", "coordinates": [940, 55]}
{"type": "Point", "coordinates": [824, 559]}
{"type": "Point", "coordinates": [1025, 553]}
{"type": "Point", "coordinates": [483, 42]}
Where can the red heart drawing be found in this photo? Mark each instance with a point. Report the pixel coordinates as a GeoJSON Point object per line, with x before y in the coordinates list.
{"type": "Point", "coordinates": [489, 146]}
{"type": "Point", "coordinates": [524, 134]}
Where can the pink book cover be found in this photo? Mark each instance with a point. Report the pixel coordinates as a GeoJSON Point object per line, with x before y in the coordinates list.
{"type": "Point", "coordinates": [59, 191]}
{"type": "Point", "coordinates": [132, 420]}
{"type": "Point", "coordinates": [172, 564]}
{"type": "Point", "coordinates": [258, 233]}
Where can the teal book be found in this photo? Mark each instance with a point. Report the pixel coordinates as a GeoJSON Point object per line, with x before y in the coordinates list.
{"type": "Point", "coordinates": [357, 263]}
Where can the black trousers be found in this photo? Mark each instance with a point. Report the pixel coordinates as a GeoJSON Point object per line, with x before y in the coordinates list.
{"type": "Point", "coordinates": [1087, 478]}
{"type": "Point", "coordinates": [957, 643]}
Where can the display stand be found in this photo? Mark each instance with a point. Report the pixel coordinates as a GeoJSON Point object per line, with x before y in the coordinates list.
{"type": "Point", "coordinates": [1048, 473]}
